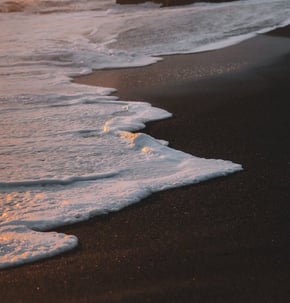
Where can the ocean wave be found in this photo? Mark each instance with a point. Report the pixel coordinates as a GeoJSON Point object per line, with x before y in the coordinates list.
{"type": "Point", "coordinates": [48, 123]}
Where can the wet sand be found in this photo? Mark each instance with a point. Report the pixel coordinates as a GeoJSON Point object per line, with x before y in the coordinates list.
{"type": "Point", "coordinates": [225, 240]}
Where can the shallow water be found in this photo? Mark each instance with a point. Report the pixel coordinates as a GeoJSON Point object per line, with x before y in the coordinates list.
{"type": "Point", "coordinates": [67, 151]}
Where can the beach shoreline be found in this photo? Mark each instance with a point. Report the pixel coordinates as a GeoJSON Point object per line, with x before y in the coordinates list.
{"type": "Point", "coordinates": [225, 240]}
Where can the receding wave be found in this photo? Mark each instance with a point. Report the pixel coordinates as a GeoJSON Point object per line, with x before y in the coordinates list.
{"type": "Point", "coordinates": [64, 181]}
{"type": "Point", "coordinates": [65, 156]}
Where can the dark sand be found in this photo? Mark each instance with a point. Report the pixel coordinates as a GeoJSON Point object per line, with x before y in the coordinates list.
{"type": "Point", "coordinates": [226, 240]}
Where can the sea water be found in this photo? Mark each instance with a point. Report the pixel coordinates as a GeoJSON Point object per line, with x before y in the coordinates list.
{"type": "Point", "coordinates": [69, 152]}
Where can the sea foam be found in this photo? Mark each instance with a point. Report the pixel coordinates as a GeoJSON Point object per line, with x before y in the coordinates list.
{"type": "Point", "coordinates": [69, 152]}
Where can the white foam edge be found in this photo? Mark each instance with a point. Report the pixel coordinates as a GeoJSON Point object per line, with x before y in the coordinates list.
{"type": "Point", "coordinates": [134, 117]}
{"type": "Point", "coordinates": [20, 245]}
{"type": "Point", "coordinates": [230, 41]}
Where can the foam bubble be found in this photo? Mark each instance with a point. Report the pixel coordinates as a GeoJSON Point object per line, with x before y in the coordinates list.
{"type": "Point", "coordinates": [20, 245]}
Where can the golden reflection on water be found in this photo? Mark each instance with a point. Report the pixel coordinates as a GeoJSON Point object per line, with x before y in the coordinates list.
{"type": "Point", "coordinates": [17, 196]}
{"type": "Point", "coordinates": [10, 202]}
